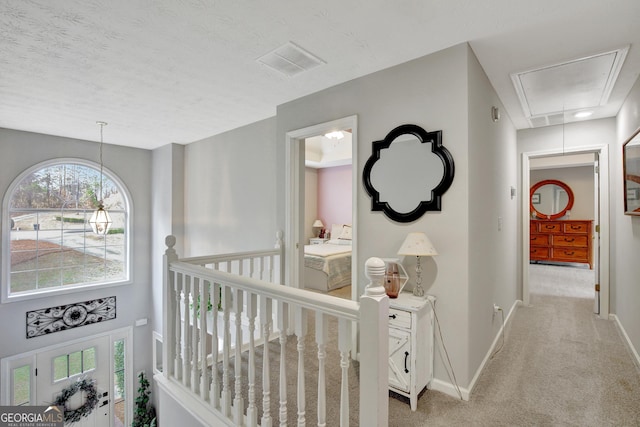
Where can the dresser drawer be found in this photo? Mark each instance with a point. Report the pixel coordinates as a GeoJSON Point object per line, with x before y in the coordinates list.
{"type": "Point", "coordinates": [570, 254]}
{"type": "Point", "coordinates": [571, 241]}
{"type": "Point", "coordinates": [399, 318]}
{"type": "Point", "coordinates": [538, 253]}
{"type": "Point", "coordinates": [549, 227]}
{"type": "Point", "coordinates": [539, 240]}
{"type": "Point", "coordinates": [576, 228]}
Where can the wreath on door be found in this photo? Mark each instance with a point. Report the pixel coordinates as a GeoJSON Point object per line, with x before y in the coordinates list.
{"type": "Point", "coordinates": [91, 400]}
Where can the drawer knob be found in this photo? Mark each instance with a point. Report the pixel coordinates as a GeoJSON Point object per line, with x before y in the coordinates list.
{"type": "Point", "coordinates": [569, 253]}
{"type": "Point", "coordinates": [392, 316]}
{"type": "Point", "coordinates": [569, 239]}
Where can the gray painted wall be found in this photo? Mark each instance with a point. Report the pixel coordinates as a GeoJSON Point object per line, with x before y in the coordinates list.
{"type": "Point", "coordinates": [21, 150]}
{"type": "Point", "coordinates": [625, 244]}
{"type": "Point", "coordinates": [492, 215]}
{"type": "Point", "coordinates": [230, 191]}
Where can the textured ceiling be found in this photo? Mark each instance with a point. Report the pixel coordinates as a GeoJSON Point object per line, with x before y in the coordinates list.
{"type": "Point", "coordinates": [162, 71]}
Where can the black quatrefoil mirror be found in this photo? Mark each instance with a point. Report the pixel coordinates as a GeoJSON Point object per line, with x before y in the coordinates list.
{"type": "Point", "coordinates": [408, 172]}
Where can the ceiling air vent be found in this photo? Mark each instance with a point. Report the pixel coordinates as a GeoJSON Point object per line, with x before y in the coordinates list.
{"type": "Point", "coordinates": [290, 60]}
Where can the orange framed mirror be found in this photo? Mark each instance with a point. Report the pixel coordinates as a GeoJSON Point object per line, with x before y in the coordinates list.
{"type": "Point", "coordinates": [550, 199]}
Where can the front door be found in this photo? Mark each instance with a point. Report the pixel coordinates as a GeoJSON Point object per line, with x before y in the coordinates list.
{"type": "Point", "coordinates": [59, 369]}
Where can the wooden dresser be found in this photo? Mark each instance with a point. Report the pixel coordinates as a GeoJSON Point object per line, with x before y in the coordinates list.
{"type": "Point", "coordinates": [561, 241]}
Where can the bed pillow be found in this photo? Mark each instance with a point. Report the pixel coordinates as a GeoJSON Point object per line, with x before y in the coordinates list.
{"type": "Point", "coordinates": [336, 231]}
{"type": "Point", "coordinates": [339, 242]}
{"type": "Point", "coordinates": [346, 233]}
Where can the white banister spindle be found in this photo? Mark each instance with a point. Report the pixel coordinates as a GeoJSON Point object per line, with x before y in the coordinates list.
{"type": "Point", "coordinates": [179, 295]}
{"type": "Point", "coordinates": [238, 401]}
{"type": "Point", "coordinates": [344, 346]}
{"type": "Point", "coordinates": [322, 333]}
{"type": "Point", "coordinates": [301, 333]}
{"type": "Point", "coordinates": [204, 310]}
{"type": "Point", "coordinates": [226, 344]}
{"type": "Point", "coordinates": [195, 335]}
{"type": "Point", "coordinates": [374, 336]}
{"type": "Point", "coordinates": [265, 321]}
{"type": "Point", "coordinates": [252, 410]}
{"type": "Point", "coordinates": [280, 246]}
{"type": "Point", "coordinates": [215, 385]}
{"type": "Point", "coordinates": [283, 325]}
{"type": "Point", "coordinates": [170, 309]}
{"type": "Point", "coordinates": [186, 331]}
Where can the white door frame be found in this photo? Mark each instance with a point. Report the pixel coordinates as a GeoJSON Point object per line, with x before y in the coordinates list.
{"type": "Point", "coordinates": [294, 199]}
{"type": "Point", "coordinates": [603, 152]}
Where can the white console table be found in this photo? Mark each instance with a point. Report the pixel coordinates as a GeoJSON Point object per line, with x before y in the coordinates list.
{"type": "Point", "coordinates": [411, 345]}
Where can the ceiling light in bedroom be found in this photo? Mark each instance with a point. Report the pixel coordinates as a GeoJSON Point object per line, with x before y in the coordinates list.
{"type": "Point", "coordinates": [417, 244]}
{"type": "Point", "coordinates": [334, 135]}
{"type": "Point", "coordinates": [100, 221]}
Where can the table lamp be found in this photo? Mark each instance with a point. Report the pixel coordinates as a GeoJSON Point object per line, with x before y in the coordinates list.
{"type": "Point", "coordinates": [318, 224]}
{"type": "Point", "coordinates": [417, 244]}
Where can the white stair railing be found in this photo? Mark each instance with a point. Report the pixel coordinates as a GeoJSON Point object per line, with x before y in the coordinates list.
{"type": "Point", "coordinates": [213, 361]}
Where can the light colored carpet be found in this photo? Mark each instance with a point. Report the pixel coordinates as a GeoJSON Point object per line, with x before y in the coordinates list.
{"type": "Point", "coordinates": [562, 280]}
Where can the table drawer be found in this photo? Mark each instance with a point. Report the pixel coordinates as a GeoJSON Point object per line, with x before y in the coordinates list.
{"type": "Point", "coordinates": [399, 318]}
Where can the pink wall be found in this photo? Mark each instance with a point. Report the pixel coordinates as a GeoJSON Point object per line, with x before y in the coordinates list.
{"type": "Point", "coordinates": [334, 195]}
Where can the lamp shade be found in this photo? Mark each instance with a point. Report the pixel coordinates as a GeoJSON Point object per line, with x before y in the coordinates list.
{"type": "Point", "coordinates": [318, 224]}
{"type": "Point", "coordinates": [417, 244]}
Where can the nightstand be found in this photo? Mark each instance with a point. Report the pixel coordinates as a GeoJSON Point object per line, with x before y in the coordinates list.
{"type": "Point", "coordinates": [411, 344]}
{"type": "Point", "coordinates": [317, 241]}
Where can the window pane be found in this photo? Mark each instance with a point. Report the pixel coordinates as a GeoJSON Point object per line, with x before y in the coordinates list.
{"type": "Point", "coordinates": [49, 278]}
{"type": "Point", "coordinates": [60, 368]}
{"type": "Point", "coordinates": [75, 363]}
{"type": "Point", "coordinates": [23, 282]}
{"type": "Point", "coordinates": [52, 244]}
{"type": "Point", "coordinates": [89, 359]}
{"type": "Point", "coordinates": [21, 385]}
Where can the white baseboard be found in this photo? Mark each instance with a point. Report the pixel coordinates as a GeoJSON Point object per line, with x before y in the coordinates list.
{"type": "Point", "coordinates": [626, 338]}
{"type": "Point", "coordinates": [450, 389]}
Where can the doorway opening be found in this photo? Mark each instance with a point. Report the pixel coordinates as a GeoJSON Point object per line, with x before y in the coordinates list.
{"type": "Point", "coordinates": [309, 184]}
{"type": "Point", "coordinates": [587, 171]}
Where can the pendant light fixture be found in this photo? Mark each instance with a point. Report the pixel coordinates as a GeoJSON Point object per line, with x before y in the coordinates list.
{"type": "Point", "coordinates": [100, 221]}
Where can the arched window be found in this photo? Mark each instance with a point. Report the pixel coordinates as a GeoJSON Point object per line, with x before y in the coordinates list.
{"type": "Point", "coordinates": [48, 243]}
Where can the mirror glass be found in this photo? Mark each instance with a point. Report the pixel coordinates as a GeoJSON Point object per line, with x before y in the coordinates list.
{"type": "Point", "coordinates": [406, 173]}
{"type": "Point", "coordinates": [551, 199]}
{"type": "Point", "coordinates": [631, 161]}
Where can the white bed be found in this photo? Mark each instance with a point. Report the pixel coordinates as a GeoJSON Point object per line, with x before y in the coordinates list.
{"type": "Point", "coordinates": [327, 266]}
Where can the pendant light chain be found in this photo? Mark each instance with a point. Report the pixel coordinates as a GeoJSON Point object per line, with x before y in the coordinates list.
{"type": "Point", "coordinates": [100, 221]}
{"type": "Point", "coordinates": [102, 125]}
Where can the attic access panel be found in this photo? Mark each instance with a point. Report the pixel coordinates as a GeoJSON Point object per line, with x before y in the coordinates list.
{"type": "Point", "coordinates": [574, 85]}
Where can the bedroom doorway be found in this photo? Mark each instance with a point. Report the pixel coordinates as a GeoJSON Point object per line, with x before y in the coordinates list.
{"type": "Point", "coordinates": [600, 213]}
{"type": "Point", "coordinates": [304, 171]}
